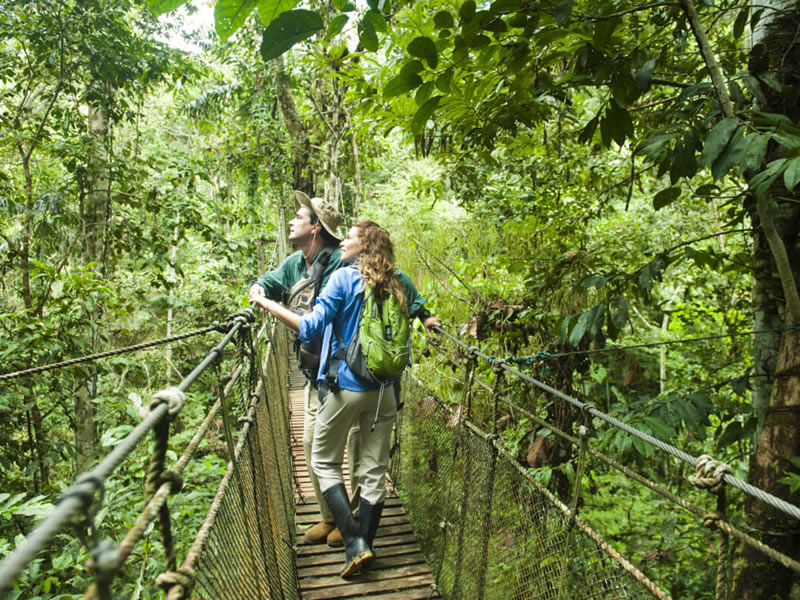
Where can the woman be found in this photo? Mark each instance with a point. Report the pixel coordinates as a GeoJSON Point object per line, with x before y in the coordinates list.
{"type": "Point", "coordinates": [339, 305]}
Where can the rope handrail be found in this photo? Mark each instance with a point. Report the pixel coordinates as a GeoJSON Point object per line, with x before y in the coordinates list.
{"type": "Point", "coordinates": [543, 355]}
{"type": "Point", "coordinates": [745, 487]}
{"type": "Point", "coordinates": [79, 496]}
{"type": "Point", "coordinates": [108, 353]}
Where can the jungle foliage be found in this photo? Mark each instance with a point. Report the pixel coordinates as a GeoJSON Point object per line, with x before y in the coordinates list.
{"type": "Point", "coordinates": [560, 179]}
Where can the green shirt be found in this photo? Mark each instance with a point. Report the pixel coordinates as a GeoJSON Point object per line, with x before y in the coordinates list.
{"type": "Point", "coordinates": [276, 284]}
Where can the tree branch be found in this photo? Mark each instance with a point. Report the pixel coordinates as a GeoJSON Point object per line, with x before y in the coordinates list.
{"type": "Point", "coordinates": [774, 240]}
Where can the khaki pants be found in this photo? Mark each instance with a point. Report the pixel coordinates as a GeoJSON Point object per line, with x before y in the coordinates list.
{"type": "Point", "coordinates": [333, 421]}
{"type": "Point", "coordinates": [309, 420]}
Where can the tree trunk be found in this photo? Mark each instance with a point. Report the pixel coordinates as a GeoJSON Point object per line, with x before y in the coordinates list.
{"type": "Point", "coordinates": [776, 398]}
{"type": "Point", "coordinates": [300, 144]}
{"type": "Point", "coordinates": [94, 222]}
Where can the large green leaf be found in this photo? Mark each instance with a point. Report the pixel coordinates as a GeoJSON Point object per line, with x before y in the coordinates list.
{"type": "Point", "coordinates": [378, 21]}
{"type": "Point", "coordinates": [336, 25]}
{"type": "Point", "coordinates": [423, 47]}
{"type": "Point", "coordinates": [792, 173]}
{"type": "Point", "coordinates": [404, 82]}
{"type": "Point", "coordinates": [269, 10]}
{"type": "Point", "coordinates": [367, 34]}
{"type": "Point", "coordinates": [576, 335]}
{"type": "Point", "coordinates": [159, 7]}
{"type": "Point", "coordinates": [424, 114]}
{"type": "Point", "coordinates": [717, 140]}
{"type": "Point", "coordinates": [229, 15]}
{"type": "Point", "coordinates": [287, 30]}
{"type": "Point", "coordinates": [665, 197]}
{"type": "Point", "coordinates": [562, 12]}
{"type": "Point", "coordinates": [761, 183]}
{"type": "Point", "coordinates": [443, 20]}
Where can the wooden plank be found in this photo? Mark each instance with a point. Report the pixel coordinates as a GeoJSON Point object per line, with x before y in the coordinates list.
{"type": "Point", "coordinates": [367, 584]}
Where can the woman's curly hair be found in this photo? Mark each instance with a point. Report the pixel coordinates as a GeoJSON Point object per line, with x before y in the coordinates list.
{"type": "Point", "coordinates": [376, 261]}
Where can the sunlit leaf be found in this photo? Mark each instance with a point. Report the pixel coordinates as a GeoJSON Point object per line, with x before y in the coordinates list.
{"type": "Point", "coordinates": [424, 113]}
{"type": "Point", "coordinates": [229, 15]}
{"type": "Point", "coordinates": [159, 7]}
{"type": "Point", "coordinates": [423, 47]}
{"type": "Point", "coordinates": [287, 30]}
{"type": "Point", "coordinates": [269, 10]}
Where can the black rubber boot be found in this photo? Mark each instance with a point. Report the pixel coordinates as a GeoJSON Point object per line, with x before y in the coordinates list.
{"type": "Point", "coordinates": [356, 547]}
{"type": "Point", "coordinates": [369, 515]}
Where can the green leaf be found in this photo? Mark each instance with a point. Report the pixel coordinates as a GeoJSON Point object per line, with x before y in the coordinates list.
{"type": "Point", "coordinates": [642, 76]}
{"type": "Point", "coordinates": [792, 173]}
{"type": "Point", "coordinates": [731, 433]}
{"type": "Point", "coordinates": [444, 20]}
{"type": "Point", "coordinates": [562, 12]}
{"type": "Point", "coordinates": [741, 22]}
{"type": "Point", "coordinates": [665, 197]}
{"type": "Point", "coordinates": [660, 428]}
{"type": "Point", "coordinates": [588, 131]}
{"type": "Point", "coordinates": [159, 7]}
{"type": "Point", "coordinates": [269, 10]}
{"type": "Point", "coordinates": [378, 21]}
{"type": "Point", "coordinates": [618, 312]}
{"type": "Point", "coordinates": [467, 11]}
{"type": "Point", "coordinates": [424, 92]}
{"type": "Point", "coordinates": [404, 82]}
{"type": "Point", "coordinates": [732, 154]}
{"type": "Point", "coordinates": [336, 25]}
{"type": "Point", "coordinates": [424, 113]}
{"type": "Point", "coordinates": [717, 140]}
{"type": "Point", "coordinates": [287, 30]}
{"type": "Point", "coordinates": [423, 47]}
{"type": "Point", "coordinates": [593, 281]}
{"type": "Point", "coordinates": [596, 320]}
{"type": "Point", "coordinates": [229, 15]}
{"type": "Point", "coordinates": [756, 150]}
{"type": "Point", "coordinates": [576, 335]}
{"type": "Point", "coordinates": [443, 81]}
{"type": "Point", "coordinates": [761, 183]}
{"type": "Point", "coordinates": [367, 34]}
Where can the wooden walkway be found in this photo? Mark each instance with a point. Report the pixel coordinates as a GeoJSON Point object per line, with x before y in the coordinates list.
{"type": "Point", "coordinates": [399, 570]}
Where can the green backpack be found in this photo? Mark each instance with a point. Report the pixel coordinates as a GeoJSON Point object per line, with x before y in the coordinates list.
{"type": "Point", "coordinates": [379, 350]}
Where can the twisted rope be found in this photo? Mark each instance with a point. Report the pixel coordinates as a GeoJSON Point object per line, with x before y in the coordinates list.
{"type": "Point", "coordinates": [709, 473]}
{"type": "Point", "coordinates": [83, 359]}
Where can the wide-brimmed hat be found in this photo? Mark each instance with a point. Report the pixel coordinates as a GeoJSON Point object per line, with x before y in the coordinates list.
{"type": "Point", "coordinates": [326, 212]}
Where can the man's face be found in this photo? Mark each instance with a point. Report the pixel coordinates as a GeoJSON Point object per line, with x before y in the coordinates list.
{"type": "Point", "coordinates": [300, 228]}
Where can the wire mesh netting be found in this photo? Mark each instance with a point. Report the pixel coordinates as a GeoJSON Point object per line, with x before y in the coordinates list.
{"type": "Point", "coordinates": [487, 529]}
{"type": "Point", "coordinates": [247, 550]}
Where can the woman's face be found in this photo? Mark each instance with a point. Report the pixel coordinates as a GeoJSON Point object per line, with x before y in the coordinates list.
{"type": "Point", "coordinates": [351, 245]}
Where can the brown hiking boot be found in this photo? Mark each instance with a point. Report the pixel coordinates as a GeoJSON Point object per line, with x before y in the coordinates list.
{"type": "Point", "coordinates": [335, 539]}
{"type": "Point", "coordinates": [319, 532]}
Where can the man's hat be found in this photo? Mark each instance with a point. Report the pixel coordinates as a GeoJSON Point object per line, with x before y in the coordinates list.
{"type": "Point", "coordinates": [326, 212]}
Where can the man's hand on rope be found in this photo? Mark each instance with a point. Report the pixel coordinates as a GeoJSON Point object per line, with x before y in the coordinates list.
{"type": "Point", "coordinates": [429, 323]}
{"type": "Point", "coordinates": [256, 291]}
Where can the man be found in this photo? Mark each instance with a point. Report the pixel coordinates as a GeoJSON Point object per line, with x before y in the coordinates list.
{"type": "Point", "coordinates": [314, 230]}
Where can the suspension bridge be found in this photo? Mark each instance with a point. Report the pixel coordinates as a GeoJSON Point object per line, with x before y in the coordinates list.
{"type": "Point", "coordinates": [463, 519]}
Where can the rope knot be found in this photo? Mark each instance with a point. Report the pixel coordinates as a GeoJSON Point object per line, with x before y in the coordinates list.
{"type": "Point", "coordinates": [712, 519]}
{"type": "Point", "coordinates": [104, 559]}
{"type": "Point", "coordinates": [173, 478]}
{"type": "Point", "coordinates": [709, 473]}
{"type": "Point", "coordinates": [173, 397]}
{"type": "Point", "coordinates": [177, 584]}
{"type": "Point", "coordinates": [498, 364]}
{"type": "Point", "coordinates": [472, 351]}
